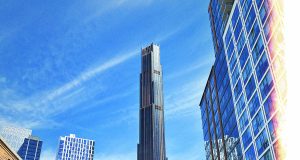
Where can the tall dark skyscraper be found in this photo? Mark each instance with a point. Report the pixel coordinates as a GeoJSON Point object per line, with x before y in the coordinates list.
{"type": "Point", "coordinates": [152, 131]}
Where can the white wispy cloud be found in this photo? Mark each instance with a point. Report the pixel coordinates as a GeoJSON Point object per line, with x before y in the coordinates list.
{"type": "Point", "coordinates": [48, 154]}
{"type": "Point", "coordinates": [87, 75]}
{"type": "Point", "coordinates": [40, 106]}
{"type": "Point", "coordinates": [184, 99]}
{"type": "Point", "coordinates": [44, 104]}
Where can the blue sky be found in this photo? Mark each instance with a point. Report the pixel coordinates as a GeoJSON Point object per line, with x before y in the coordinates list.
{"type": "Point", "coordinates": [73, 67]}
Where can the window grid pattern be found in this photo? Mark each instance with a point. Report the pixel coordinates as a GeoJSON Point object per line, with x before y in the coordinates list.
{"type": "Point", "coordinates": [71, 148]}
{"type": "Point", "coordinates": [255, 81]}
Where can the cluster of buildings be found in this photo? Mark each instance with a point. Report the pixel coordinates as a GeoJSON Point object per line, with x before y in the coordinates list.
{"type": "Point", "coordinates": [245, 93]}
{"type": "Point", "coordinates": [240, 105]}
{"type": "Point", "coordinates": [20, 144]}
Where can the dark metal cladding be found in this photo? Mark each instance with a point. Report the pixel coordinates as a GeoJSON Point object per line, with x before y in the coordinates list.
{"type": "Point", "coordinates": [152, 133]}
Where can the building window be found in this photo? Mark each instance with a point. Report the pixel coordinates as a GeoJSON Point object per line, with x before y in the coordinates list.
{"type": "Point", "coordinates": [246, 7]}
{"type": "Point", "coordinates": [157, 72]}
{"type": "Point", "coordinates": [250, 155]}
{"type": "Point", "coordinates": [253, 104]}
{"type": "Point", "coordinates": [257, 122]}
{"type": "Point", "coordinates": [240, 105]}
{"type": "Point", "coordinates": [257, 50]}
{"type": "Point", "coordinates": [264, 11]}
{"type": "Point", "coordinates": [261, 67]}
{"type": "Point", "coordinates": [238, 89]}
{"type": "Point", "coordinates": [247, 139]}
{"type": "Point", "coordinates": [250, 19]}
{"type": "Point", "coordinates": [247, 71]}
{"type": "Point", "coordinates": [266, 85]}
{"type": "Point", "coordinates": [270, 104]}
{"type": "Point", "coordinates": [244, 56]}
{"type": "Point", "coordinates": [262, 142]}
{"type": "Point", "coordinates": [267, 156]}
{"type": "Point", "coordinates": [244, 120]}
{"type": "Point", "coordinates": [250, 87]}
{"type": "Point", "coordinates": [253, 34]}
{"type": "Point", "coordinates": [232, 61]}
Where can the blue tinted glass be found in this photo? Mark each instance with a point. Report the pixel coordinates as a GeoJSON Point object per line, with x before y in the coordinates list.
{"type": "Point", "coordinates": [267, 28]}
{"type": "Point", "coordinates": [250, 155]}
{"type": "Point", "coordinates": [230, 49]}
{"type": "Point", "coordinates": [228, 36]}
{"type": "Point", "coordinates": [241, 43]}
{"type": "Point", "coordinates": [235, 16]}
{"type": "Point", "coordinates": [247, 139]}
{"type": "Point", "coordinates": [264, 11]}
{"type": "Point", "coordinates": [240, 105]}
{"type": "Point", "coordinates": [262, 142]}
{"type": "Point", "coordinates": [247, 71]}
{"type": "Point", "coordinates": [250, 87]}
{"type": "Point", "coordinates": [273, 125]}
{"type": "Point", "coordinates": [258, 3]}
{"type": "Point", "coordinates": [253, 104]}
{"type": "Point", "coordinates": [266, 85]}
{"type": "Point", "coordinates": [238, 29]}
{"type": "Point", "coordinates": [250, 19]}
{"type": "Point", "coordinates": [267, 156]}
{"type": "Point", "coordinates": [235, 75]}
{"type": "Point", "coordinates": [244, 120]}
{"type": "Point", "coordinates": [246, 7]}
{"type": "Point", "coordinates": [238, 89]}
{"type": "Point", "coordinates": [270, 103]}
{"type": "Point", "coordinates": [244, 56]}
{"type": "Point", "coordinates": [261, 67]}
{"type": "Point", "coordinates": [257, 50]}
{"type": "Point", "coordinates": [232, 61]}
{"type": "Point", "coordinates": [257, 122]}
{"type": "Point", "coordinates": [253, 34]}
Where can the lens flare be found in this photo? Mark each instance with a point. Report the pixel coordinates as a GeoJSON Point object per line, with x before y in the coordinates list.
{"type": "Point", "coordinates": [286, 69]}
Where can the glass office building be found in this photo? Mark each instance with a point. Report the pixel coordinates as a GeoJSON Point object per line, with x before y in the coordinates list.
{"type": "Point", "coordinates": [74, 148]}
{"type": "Point", "coordinates": [14, 136]}
{"type": "Point", "coordinates": [31, 148]}
{"type": "Point", "coordinates": [22, 142]}
{"type": "Point", "coordinates": [151, 131]}
{"type": "Point", "coordinates": [220, 128]}
{"type": "Point", "coordinates": [249, 48]}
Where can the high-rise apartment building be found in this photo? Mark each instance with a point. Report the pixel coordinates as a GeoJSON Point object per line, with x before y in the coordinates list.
{"type": "Point", "coordinates": [74, 148]}
{"type": "Point", "coordinates": [245, 92]}
{"type": "Point", "coordinates": [31, 148]}
{"type": "Point", "coordinates": [151, 131]}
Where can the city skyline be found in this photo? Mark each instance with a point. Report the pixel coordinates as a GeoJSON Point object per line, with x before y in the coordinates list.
{"type": "Point", "coordinates": [72, 67]}
{"type": "Point", "coordinates": [93, 68]}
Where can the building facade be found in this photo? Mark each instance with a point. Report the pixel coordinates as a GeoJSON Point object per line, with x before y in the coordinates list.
{"type": "Point", "coordinates": [6, 153]}
{"type": "Point", "coordinates": [15, 136]}
{"type": "Point", "coordinates": [31, 148]}
{"type": "Point", "coordinates": [249, 46]}
{"type": "Point", "coordinates": [151, 130]}
{"type": "Point", "coordinates": [220, 128]}
{"type": "Point", "coordinates": [74, 148]}
{"type": "Point", "coordinates": [22, 142]}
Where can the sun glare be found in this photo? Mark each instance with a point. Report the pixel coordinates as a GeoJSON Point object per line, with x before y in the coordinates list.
{"type": "Point", "coordinates": [289, 118]}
